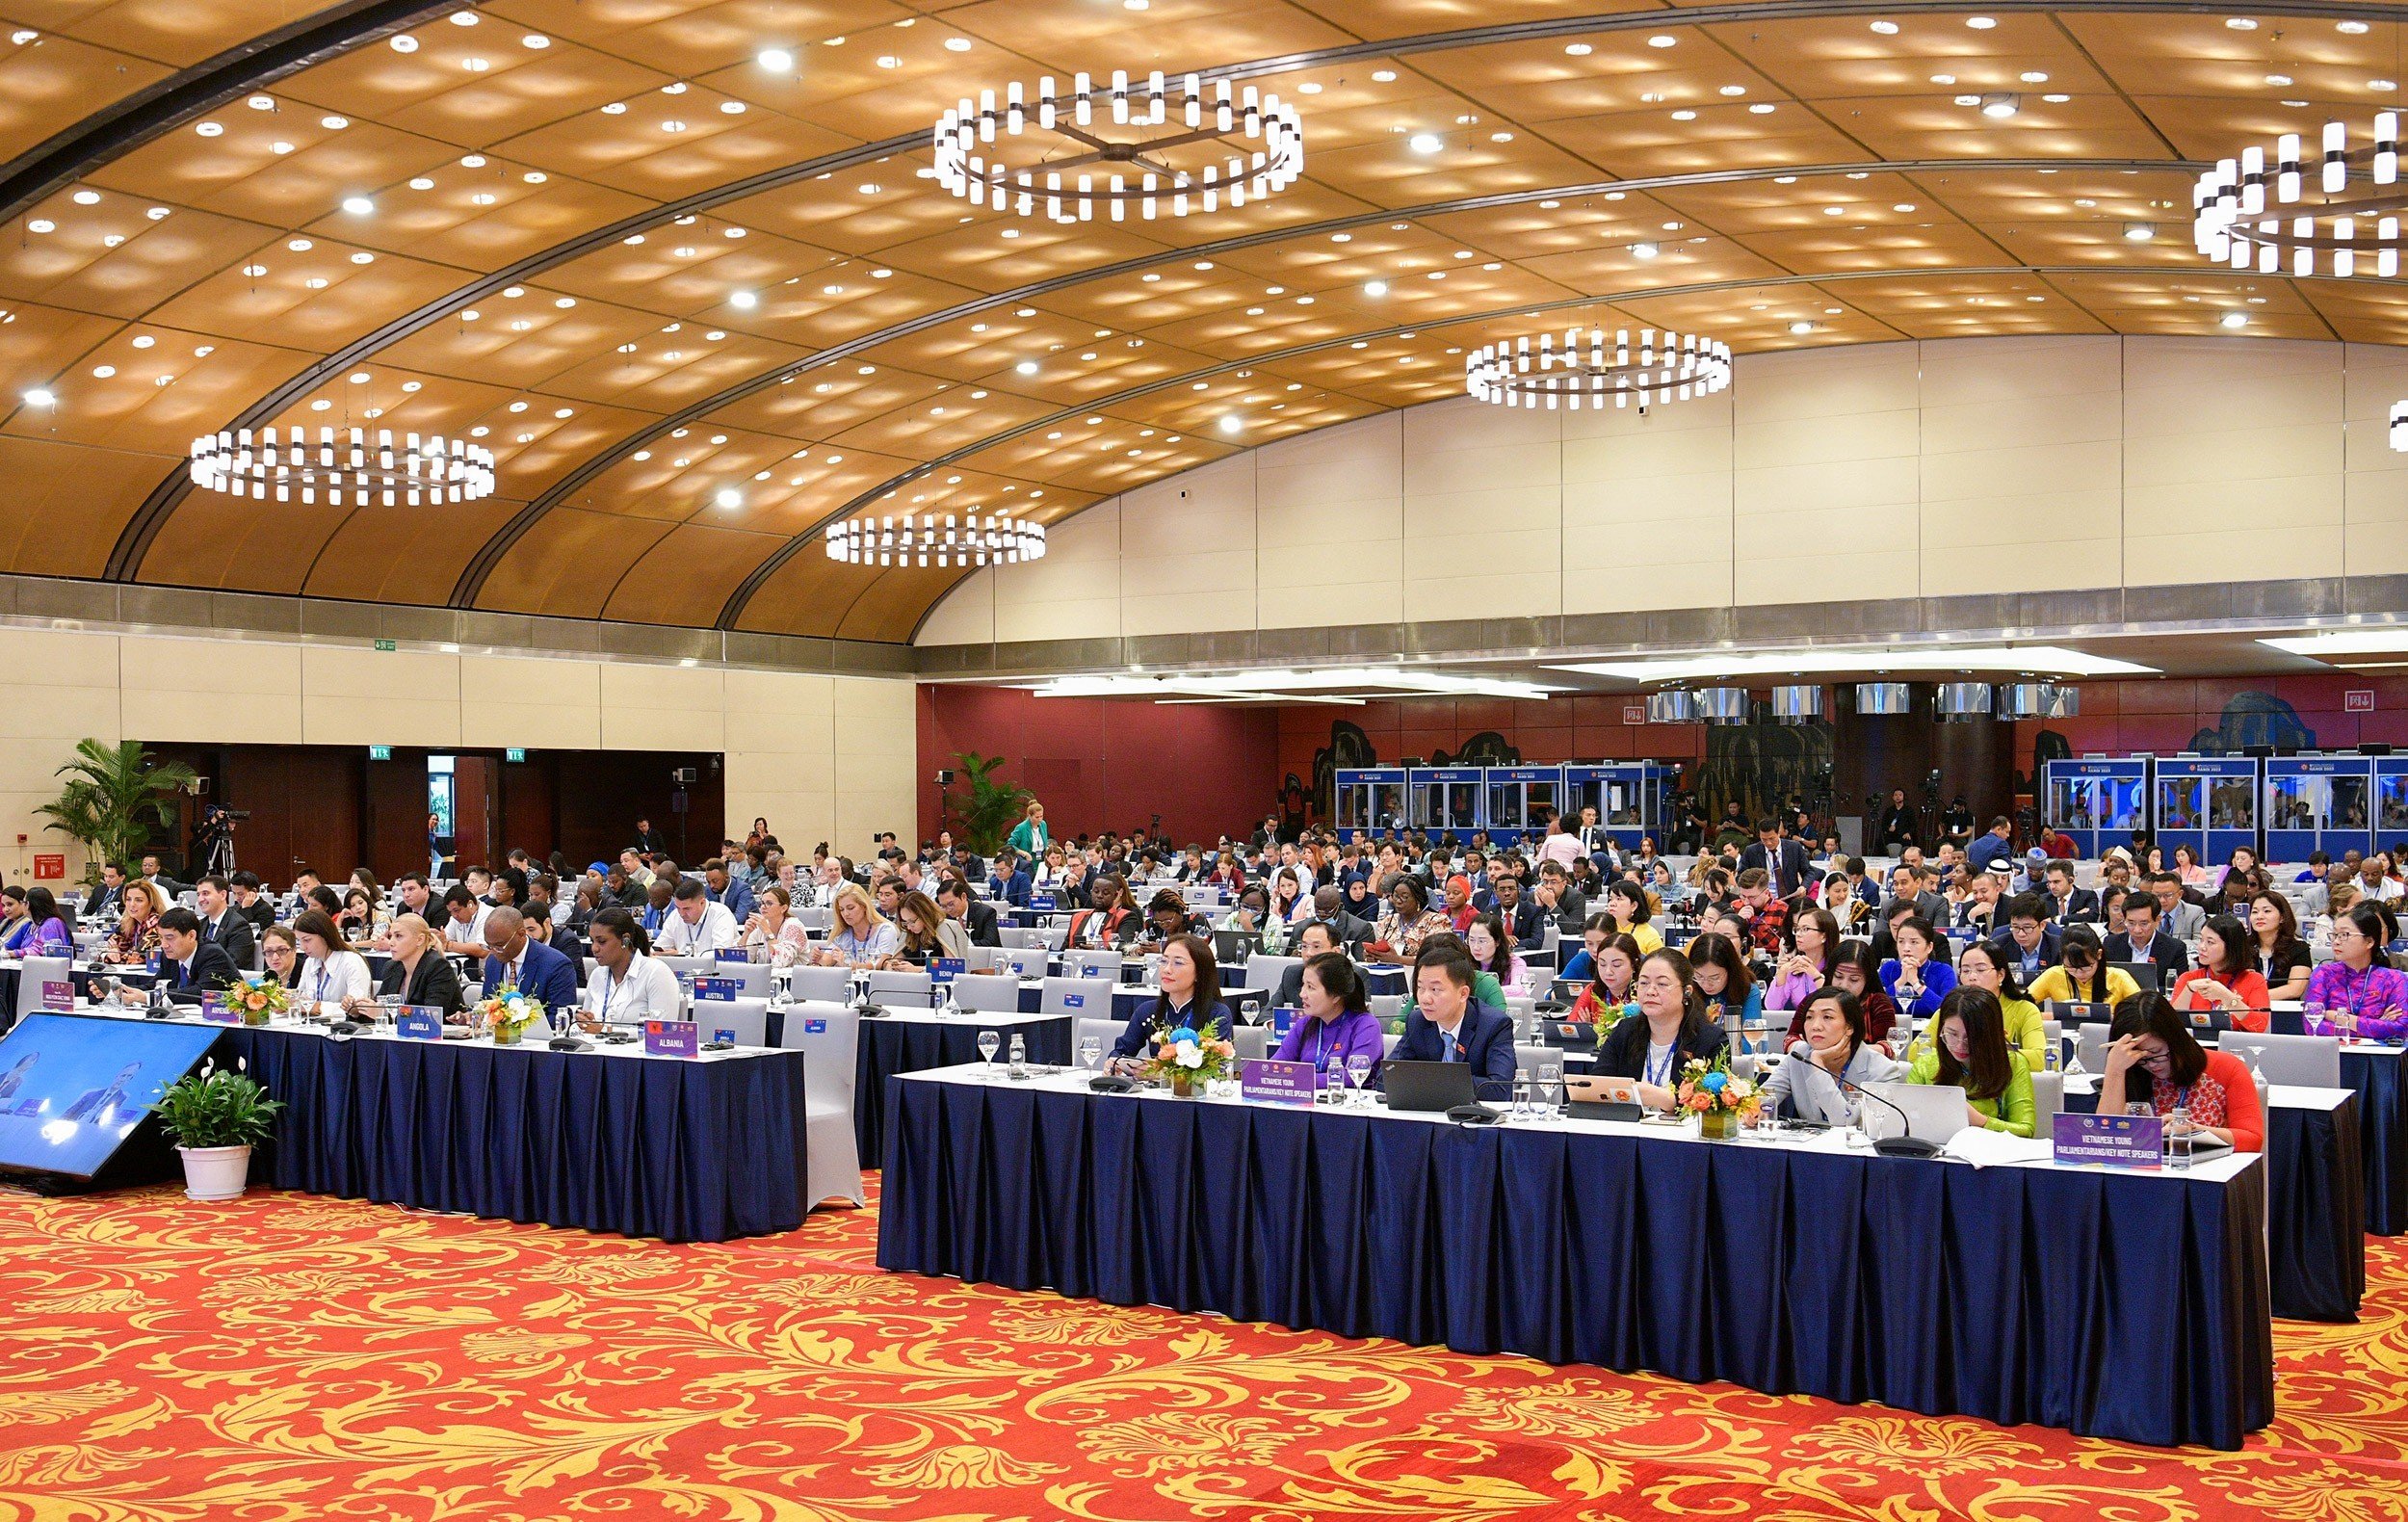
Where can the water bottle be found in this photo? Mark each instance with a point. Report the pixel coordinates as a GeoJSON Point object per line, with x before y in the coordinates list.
{"type": "Point", "coordinates": [952, 1006]}
{"type": "Point", "coordinates": [1019, 1047]}
{"type": "Point", "coordinates": [781, 987]}
{"type": "Point", "coordinates": [2178, 1139]}
{"type": "Point", "coordinates": [2051, 1057]}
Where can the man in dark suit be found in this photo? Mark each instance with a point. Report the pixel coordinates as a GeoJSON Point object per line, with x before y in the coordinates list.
{"type": "Point", "coordinates": [2030, 943]}
{"type": "Point", "coordinates": [1446, 1026]}
{"type": "Point", "coordinates": [955, 899]}
{"type": "Point", "coordinates": [188, 964]}
{"type": "Point", "coordinates": [650, 842]}
{"type": "Point", "coordinates": [222, 925]}
{"type": "Point", "coordinates": [2142, 941]}
{"type": "Point", "coordinates": [1782, 858]}
{"type": "Point", "coordinates": [2068, 905]}
{"type": "Point", "coordinates": [516, 959]}
{"type": "Point", "coordinates": [1524, 921]}
{"type": "Point", "coordinates": [108, 901]}
{"type": "Point", "coordinates": [1315, 939]}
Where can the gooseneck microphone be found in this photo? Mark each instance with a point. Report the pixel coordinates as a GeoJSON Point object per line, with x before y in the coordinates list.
{"type": "Point", "coordinates": [1900, 1145]}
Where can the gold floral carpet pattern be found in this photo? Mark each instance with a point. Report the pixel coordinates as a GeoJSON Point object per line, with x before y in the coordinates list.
{"type": "Point", "coordinates": [291, 1357]}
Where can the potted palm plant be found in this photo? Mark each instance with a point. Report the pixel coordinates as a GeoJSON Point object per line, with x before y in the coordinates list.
{"type": "Point", "coordinates": [114, 797]}
{"type": "Point", "coordinates": [216, 1117]}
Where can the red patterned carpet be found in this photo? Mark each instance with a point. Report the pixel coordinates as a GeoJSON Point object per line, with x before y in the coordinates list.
{"type": "Point", "coordinates": [292, 1357]}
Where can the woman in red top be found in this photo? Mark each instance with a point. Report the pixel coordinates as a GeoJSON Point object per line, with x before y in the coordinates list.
{"type": "Point", "coordinates": [2152, 1044]}
{"type": "Point", "coordinates": [2224, 979]}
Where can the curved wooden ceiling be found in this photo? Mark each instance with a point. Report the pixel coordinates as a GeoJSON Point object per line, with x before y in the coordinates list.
{"type": "Point", "coordinates": [568, 192]}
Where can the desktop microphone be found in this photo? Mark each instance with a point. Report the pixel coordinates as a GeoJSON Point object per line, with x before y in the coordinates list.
{"type": "Point", "coordinates": [1900, 1145]}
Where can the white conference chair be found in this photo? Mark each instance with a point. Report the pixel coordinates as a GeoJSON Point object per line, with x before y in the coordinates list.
{"type": "Point", "coordinates": [747, 1017]}
{"type": "Point", "coordinates": [1106, 1031]}
{"type": "Point", "coordinates": [1262, 971]}
{"type": "Point", "coordinates": [905, 990]}
{"type": "Point", "coordinates": [992, 993]}
{"type": "Point", "coordinates": [1386, 1006]}
{"type": "Point", "coordinates": [832, 1167]}
{"type": "Point", "coordinates": [1027, 962]}
{"type": "Point", "coordinates": [2047, 1097]}
{"type": "Point", "coordinates": [32, 973]}
{"type": "Point", "coordinates": [2091, 1046]}
{"type": "Point", "coordinates": [1084, 998]}
{"type": "Point", "coordinates": [2307, 1061]}
{"type": "Point", "coordinates": [826, 984]}
{"type": "Point", "coordinates": [1252, 1041]}
{"type": "Point", "coordinates": [1054, 937]}
{"type": "Point", "coordinates": [752, 977]}
{"type": "Point", "coordinates": [984, 958]}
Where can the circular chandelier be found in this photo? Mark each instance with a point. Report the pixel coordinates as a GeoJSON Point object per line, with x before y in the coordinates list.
{"type": "Point", "coordinates": [1587, 367]}
{"type": "Point", "coordinates": [2249, 216]}
{"type": "Point", "coordinates": [1106, 176]}
{"type": "Point", "coordinates": [924, 540]}
{"type": "Point", "coordinates": [421, 469]}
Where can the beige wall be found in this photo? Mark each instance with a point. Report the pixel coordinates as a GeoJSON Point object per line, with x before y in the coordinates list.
{"type": "Point", "coordinates": [1883, 470]}
{"type": "Point", "coordinates": [824, 757]}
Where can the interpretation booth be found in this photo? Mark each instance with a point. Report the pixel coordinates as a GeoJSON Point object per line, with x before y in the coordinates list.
{"type": "Point", "coordinates": [1510, 802]}
{"type": "Point", "coordinates": [2209, 804]}
{"type": "Point", "coordinates": [2318, 803]}
{"type": "Point", "coordinates": [1446, 798]}
{"type": "Point", "coordinates": [1518, 799]}
{"type": "Point", "coordinates": [1371, 798]}
{"type": "Point", "coordinates": [2097, 802]}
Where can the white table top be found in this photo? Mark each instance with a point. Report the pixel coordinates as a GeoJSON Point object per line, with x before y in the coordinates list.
{"type": "Point", "coordinates": [2282, 1096]}
{"type": "Point", "coordinates": [2221, 1170]}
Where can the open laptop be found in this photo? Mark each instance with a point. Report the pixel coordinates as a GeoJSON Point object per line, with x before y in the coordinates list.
{"type": "Point", "coordinates": [1933, 1112]}
{"type": "Point", "coordinates": [1427, 1085]}
{"type": "Point", "coordinates": [1231, 948]}
{"type": "Point", "coordinates": [1571, 1036]}
{"type": "Point", "coordinates": [2148, 974]}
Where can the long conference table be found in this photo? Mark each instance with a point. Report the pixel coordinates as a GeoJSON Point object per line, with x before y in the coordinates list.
{"type": "Point", "coordinates": [2130, 1306]}
{"type": "Point", "coordinates": [684, 1150]}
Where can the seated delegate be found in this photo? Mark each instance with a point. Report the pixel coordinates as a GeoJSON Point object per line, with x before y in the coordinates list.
{"type": "Point", "coordinates": [1190, 999]}
{"type": "Point", "coordinates": [1334, 1023]}
{"type": "Point", "coordinates": [1919, 978]}
{"type": "Point", "coordinates": [1986, 966]}
{"type": "Point", "coordinates": [1671, 1032]}
{"type": "Point", "coordinates": [420, 972]}
{"type": "Point", "coordinates": [1971, 1053]}
{"type": "Point", "coordinates": [2224, 979]}
{"type": "Point", "coordinates": [1448, 1025]}
{"type": "Point", "coordinates": [1808, 1085]}
{"type": "Point", "coordinates": [629, 985]}
{"type": "Point", "coordinates": [2152, 1058]}
{"type": "Point", "coordinates": [2083, 977]}
{"type": "Point", "coordinates": [2359, 995]}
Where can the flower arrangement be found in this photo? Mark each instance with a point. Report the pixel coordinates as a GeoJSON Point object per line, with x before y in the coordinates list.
{"type": "Point", "coordinates": [257, 1003]}
{"type": "Point", "coordinates": [1186, 1058]}
{"type": "Point", "coordinates": [1719, 1101]}
{"type": "Point", "coordinates": [508, 1014]}
{"type": "Point", "coordinates": [1604, 1017]}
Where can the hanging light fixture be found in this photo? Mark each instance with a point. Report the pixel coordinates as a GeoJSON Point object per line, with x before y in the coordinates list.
{"type": "Point", "coordinates": [1105, 176]}
{"type": "Point", "coordinates": [1723, 705]}
{"type": "Point", "coordinates": [1959, 701]}
{"type": "Point", "coordinates": [1796, 706]}
{"type": "Point", "coordinates": [1884, 699]}
{"type": "Point", "coordinates": [419, 470]}
{"type": "Point", "coordinates": [2038, 700]}
{"type": "Point", "coordinates": [2251, 214]}
{"type": "Point", "coordinates": [926, 540]}
{"type": "Point", "coordinates": [1676, 705]}
{"type": "Point", "coordinates": [1586, 368]}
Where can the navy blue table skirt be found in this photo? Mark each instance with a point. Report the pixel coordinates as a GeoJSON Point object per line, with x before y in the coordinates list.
{"type": "Point", "coordinates": [2316, 1210]}
{"type": "Point", "coordinates": [1755, 1265]}
{"type": "Point", "coordinates": [889, 1047]}
{"type": "Point", "coordinates": [2383, 1122]}
{"type": "Point", "coordinates": [684, 1151]}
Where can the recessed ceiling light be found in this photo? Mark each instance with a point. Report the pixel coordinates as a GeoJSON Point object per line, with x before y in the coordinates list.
{"type": "Point", "coordinates": [732, 108]}
{"type": "Point", "coordinates": [2059, 100]}
{"type": "Point", "coordinates": [537, 41]}
{"type": "Point", "coordinates": [422, 183]}
{"type": "Point", "coordinates": [104, 372]}
{"type": "Point", "coordinates": [1735, 90]}
{"type": "Point", "coordinates": [1684, 115]}
{"type": "Point", "coordinates": [1425, 143]}
{"type": "Point", "coordinates": [2033, 76]}
{"type": "Point", "coordinates": [2234, 319]}
{"type": "Point", "coordinates": [358, 206]}
{"type": "Point", "coordinates": [889, 60]}
{"type": "Point", "coordinates": [40, 396]}
{"type": "Point", "coordinates": [2240, 23]}
{"type": "Point", "coordinates": [472, 161]}
{"type": "Point", "coordinates": [956, 44]}
{"type": "Point", "coordinates": [1762, 108]}
{"type": "Point", "coordinates": [2000, 105]}
{"type": "Point", "coordinates": [1579, 49]}
{"type": "Point", "coordinates": [2351, 28]}
{"type": "Point", "coordinates": [2277, 81]}
{"type": "Point", "coordinates": [672, 125]}
{"type": "Point", "coordinates": [729, 497]}
{"type": "Point", "coordinates": [334, 124]}
{"type": "Point", "coordinates": [211, 129]}
{"type": "Point", "coordinates": [1980, 23]}
{"type": "Point", "coordinates": [1309, 88]}
{"type": "Point", "coordinates": [1662, 40]}
{"type": "Point", "coordinates": [1643, 250]}
{"type": "Point", "coordinates": [1230, 422]}
{"type": "Point", "coordinates": [2385, 86]}
{"type": "Point", "coordinates": [1886, 28]}
{"type": "Point", "coordinates": [1801, 327]}
{"type": "Point", "coordinates": [776, 60]}
{"type": "Point", "coordinates": [2139, 232]}
{"type": "Point", "coordinates": [41, 225]}
{"type": "Point", "coordinates": [1375, 288]}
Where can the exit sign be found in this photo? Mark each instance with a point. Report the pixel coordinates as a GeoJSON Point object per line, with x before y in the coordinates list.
{"type": "Point", "coordinates": [515, 753]}
{"type": "Point", "coordinates": [1634, 714]}
{"type": "Point", "coordinates": [388, 644]}
{"type": "Point", "coordinates": [380, 752]}
{"type": "Point", "coordinates": [2360, 701]}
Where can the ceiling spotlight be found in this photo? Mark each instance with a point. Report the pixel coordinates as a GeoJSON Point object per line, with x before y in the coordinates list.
{"type": "Point", "coordinates": [776, 60]}
{"type": "Point", "coordinates": [1801, 327]}
{"type": "Point", "coordinates": [463, 19]}
{"type": "Point", "coordinates": [2138, 231]}
{"type": "Point", "coordinates": [1886, 28]}
{"type": "Point", "coordinates": [1643, 250]}
{"type": "Point", "coordinates": [1425, 143]}
{"type": "Point", "coordinates": [728, 497]}
{"type": "Point", "coordinates": [40, 396]}
{"type": "Point", "coordinates": [2350, 28]}
{"type": "Point", "coordinates": [1025, 367]}
{"type": "Point", "coordinates": [1375, 288]}
{"type": "Point", "coordinates": [1662, 40]}
{"type": "Point", "coordinates": [1579, 49]}
{"type": "Point", "coordinates": [1230, 422]}
{"type": "Point", "coordinates": [358, 206]}
{"type": "Point", "coordinates": [2240, 23]}
{"type": "Point", "coordinates": [2235, 320]}
{"type": "Point", "coordinates": [404, 44]}
{"type": "Point", "coordinates": [2001, 105]}
{"type": "Point", "coordinates": [1980, 23]}
{"type": "Point", "coordinates": [743, 300]}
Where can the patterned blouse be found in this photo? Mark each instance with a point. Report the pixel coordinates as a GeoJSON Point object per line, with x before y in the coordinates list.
{"type": "Point", "coordinates": [2377, 996]}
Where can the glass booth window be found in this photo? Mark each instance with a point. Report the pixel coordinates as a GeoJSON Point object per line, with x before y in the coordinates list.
{"type": "Point", "coordinates": [2074, 803]}
{"type": "Point", "coordinates": [2299, 803]}
{"type": "Point", "coordinates": [2178, 802]}
{"type": "Point", "coordinates": [2393, 791]}
{"type": "Point", "coordinates": [2350, 809]}
{"type": "Point", "coordinates": [2232, 804]}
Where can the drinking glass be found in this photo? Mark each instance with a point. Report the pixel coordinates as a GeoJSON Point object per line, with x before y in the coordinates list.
{"type": "Point", "coordinates": [1092, 1054]}
{"type": "Point", "coordinates": [989, 1043]}
{"type": "Point", "coordinates": [1550, 1089]}
{"type": "Point", "coordinates": [2312, 1018]}
{"type": "Point", "coordinates": [1523, 1108]}
{"type": "Point", "coordinates": [1358, 1073]}
{"type": "Point", "coordinates": [388, 1009]}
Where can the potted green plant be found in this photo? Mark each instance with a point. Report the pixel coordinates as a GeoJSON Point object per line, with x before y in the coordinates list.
{"type": "Point", "coordinates": [216, 1117]}
{"type": "Point", "coordinates": [115, 795]}
{"type": "Point", "coordinates": [986, 807]}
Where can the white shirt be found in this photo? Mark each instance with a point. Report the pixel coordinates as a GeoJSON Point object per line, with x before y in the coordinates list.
{"type": "Point", "coordinates": [327, 984]}
{"type": "Point", "coordinates": [648, 991]}
{"type": "Point", "coordinates": [473, 932]}
{"type": "Point", "coordinates": [715, 932]}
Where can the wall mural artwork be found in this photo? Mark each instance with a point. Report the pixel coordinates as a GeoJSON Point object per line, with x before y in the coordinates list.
{"type": "Point", "coordinates": [2255, 719]}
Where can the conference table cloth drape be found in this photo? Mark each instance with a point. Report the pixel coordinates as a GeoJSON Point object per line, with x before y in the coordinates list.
{"type": "Point", "coordinates": [916, 1043]}
{"type": "Point", "coordinates": [2316, 1206]}
{"type": "Point", "coordinates": [2383, 1135]}
{"type": "Point", "coordinates": [681, 1150]}
{"type": "Point", "coordinates": [2131, 1306]}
